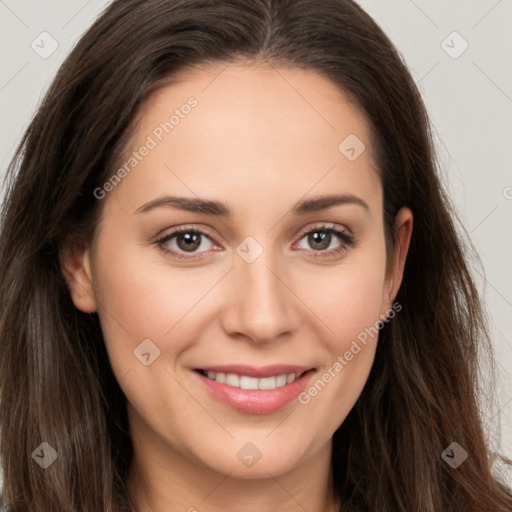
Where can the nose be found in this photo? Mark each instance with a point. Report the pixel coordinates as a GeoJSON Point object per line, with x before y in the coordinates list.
{"type": "Point", "coordinates": [262, 306]}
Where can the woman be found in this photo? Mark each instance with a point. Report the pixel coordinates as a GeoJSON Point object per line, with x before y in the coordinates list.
{"type": "Point", "coordinates": [213, 295]}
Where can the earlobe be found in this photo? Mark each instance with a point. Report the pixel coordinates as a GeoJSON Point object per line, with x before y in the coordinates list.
{"type": "Point", "coordinates": [403, 232]}
{"type": "Point", "coordinates": [76, 268]}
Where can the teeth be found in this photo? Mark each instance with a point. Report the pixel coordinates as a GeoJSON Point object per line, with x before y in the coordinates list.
{"type": "Point", "coordinates": [281, 380]}
{"type": "Point", "coordinates": [267, 383]}
{"type": "Point", "coordinates": [246, 382]}
{"type": "Point", "coordinates": [232, 380]}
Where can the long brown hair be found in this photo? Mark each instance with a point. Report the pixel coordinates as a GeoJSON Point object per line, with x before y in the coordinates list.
{"type": "Point", "coordinates": [56, 383]}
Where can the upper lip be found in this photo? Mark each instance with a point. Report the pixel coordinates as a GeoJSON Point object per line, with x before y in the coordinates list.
{"type": "Point", "coordinates": [260, 372]}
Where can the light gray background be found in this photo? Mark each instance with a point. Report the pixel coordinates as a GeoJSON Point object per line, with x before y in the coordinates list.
{"type": "Point", "coordinates": [469, 99]}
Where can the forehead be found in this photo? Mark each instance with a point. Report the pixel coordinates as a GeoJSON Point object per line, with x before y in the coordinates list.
{"type": "Point", "coordinates": [253, 131]}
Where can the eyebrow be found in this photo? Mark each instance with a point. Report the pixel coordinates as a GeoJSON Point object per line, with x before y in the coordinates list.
{"type": "Point", "coordinates": [210, 207]}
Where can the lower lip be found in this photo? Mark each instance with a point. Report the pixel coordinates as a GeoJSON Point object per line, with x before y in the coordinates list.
{"type": "Point", "coordinates": [256, 401]}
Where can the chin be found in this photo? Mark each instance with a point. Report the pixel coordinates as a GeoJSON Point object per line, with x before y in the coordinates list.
{"type": "Point", "coordinates": [248, 462]}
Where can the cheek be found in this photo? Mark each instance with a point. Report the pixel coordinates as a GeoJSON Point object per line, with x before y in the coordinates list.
{"type": "Point", "coordinates": [347, 298]}
{"type": "Point", "coordinates": [141, 297]}
{"type": "Point", "coordinates": [349, 303]}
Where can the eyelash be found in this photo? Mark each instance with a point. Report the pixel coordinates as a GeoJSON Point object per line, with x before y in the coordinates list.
{"type": "Point", "coordinates": [348, 241]}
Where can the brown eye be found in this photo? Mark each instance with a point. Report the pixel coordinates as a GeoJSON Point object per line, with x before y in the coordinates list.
{"type": "Point", "coordinates": [323, 239]}
{"type": "Point", "coordinates": [185, 241]}
{"type": "Point", "coordinates": [319, 240]}
{"type": "Point", "coordinates": [189, 241]}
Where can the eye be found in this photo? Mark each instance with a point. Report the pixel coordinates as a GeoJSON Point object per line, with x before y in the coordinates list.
{"type": "Point", "coordinates": [189, 243]}
{"type": "Point", "coordinates": [326, 241]}
{"type": "Point", "coordinates": [183, 241]}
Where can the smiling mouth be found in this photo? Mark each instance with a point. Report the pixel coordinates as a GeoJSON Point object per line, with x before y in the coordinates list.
{"type": "Point", "coordinates": [255, 390]}
{"type": "Point", "coordinates": [255, 383]}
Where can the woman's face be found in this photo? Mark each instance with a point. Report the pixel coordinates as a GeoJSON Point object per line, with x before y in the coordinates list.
{"type": "Point", "coordinates": [256, 288]}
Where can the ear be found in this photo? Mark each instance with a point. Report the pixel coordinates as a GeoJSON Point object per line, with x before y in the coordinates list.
{"type": "Point", "coordinates": [75, 264]}
{"type": "Point", "coordinates": [395, 269]}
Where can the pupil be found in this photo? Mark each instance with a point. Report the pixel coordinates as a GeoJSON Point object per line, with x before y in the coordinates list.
{"type": "Point", "coordinates": [320, 237]}
{"type": "Point", "coordinates": [191, 241]}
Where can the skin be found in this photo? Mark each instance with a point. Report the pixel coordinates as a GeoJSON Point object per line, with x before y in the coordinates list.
{"type": "Point", "coordinates": [259, 140]}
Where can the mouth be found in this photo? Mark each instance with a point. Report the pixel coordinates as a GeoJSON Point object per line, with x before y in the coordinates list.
{"type": "Point", "coordinates": [255, 390]}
